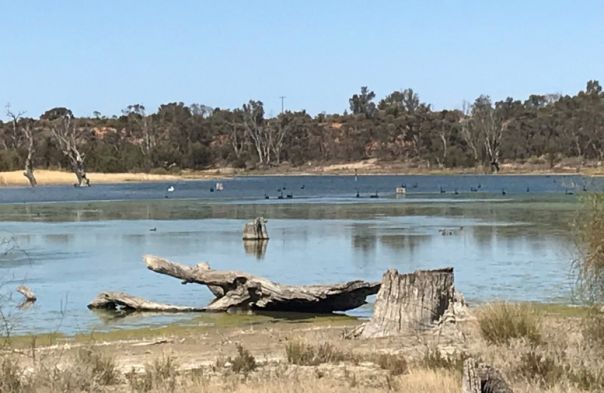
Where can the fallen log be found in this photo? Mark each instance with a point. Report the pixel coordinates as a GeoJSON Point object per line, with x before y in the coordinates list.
{"type": "Point", "coordinates": [29, 295]}
{"type": "Point", "coordinates": [235, 290]}
{"type": "Point", "coordinates": [124, 302]}
{"type": "Point", "coordinates": [409, 303]}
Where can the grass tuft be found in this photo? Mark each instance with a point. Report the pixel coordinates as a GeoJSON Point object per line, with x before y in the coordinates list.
{"type": "Point", "coordinates": [311, 355]}
{"type": "Point", "coordinates": [501, 322]}
{"type": "Point", "coordinates": [244, 362]}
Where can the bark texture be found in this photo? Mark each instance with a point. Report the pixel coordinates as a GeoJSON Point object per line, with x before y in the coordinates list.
{"type": "Point", "coordinates": [408, 303]}
{"type": "Point", "coordinates": [255, 230]}
{"type": "Point", "coordinates": [482, 378]}
{"type": "Point", "coordinates": [242, 291]}
{"type": "Point", "coordinates": [125, 302]}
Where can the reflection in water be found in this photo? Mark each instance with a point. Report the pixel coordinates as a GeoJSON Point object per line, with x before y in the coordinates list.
{"type": "Point", "coordinates": [255, 248]}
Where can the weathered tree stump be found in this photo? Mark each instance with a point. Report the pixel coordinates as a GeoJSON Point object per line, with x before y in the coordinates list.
{"type": "Point", "coordinates": [481, 378]}
{"type": "Point", "coordinates": [123, 301]}
{"type": "Point", "coordinates": [242, 291]}
{"type": "Point", "coordinates": [29, 295]}
{"type": "Point", "coordinates": [255, 230]}
{"type": "Point", "coordinates": [408, 303]}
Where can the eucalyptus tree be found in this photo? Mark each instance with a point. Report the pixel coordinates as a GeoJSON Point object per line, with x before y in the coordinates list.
{"type": "Point", "coordinates": [69, 136]}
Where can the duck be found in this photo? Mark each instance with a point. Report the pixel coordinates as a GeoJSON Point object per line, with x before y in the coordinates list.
{"type": "Point", "coordinates": [171, 189]}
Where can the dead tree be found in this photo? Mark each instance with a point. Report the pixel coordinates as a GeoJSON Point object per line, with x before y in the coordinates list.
{"type": "Point", "coordinates": [481, 378]}
{"type": "Point", "coordinates": [242, 291]}
{"type": "Point", "coordinates": [28, 172]}
{"type": "Point", "coordinates": [255, 230]}
{"type": "Point", "coordinates": [258, 131]}
{"type": "Point", "coordinates": [67, 135]}
{"type": "Point", "coordinates": [408, 303]}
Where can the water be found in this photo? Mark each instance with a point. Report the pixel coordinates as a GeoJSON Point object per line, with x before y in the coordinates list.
{"type": "Point", "coordinates": [516, 246]}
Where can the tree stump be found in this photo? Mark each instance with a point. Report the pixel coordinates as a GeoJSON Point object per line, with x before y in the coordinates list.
{"type": "Point", "coordinates": [408, 303]}
{"type": "Point", "coordinates": [482, 378]}
{"type": "Point", "coordinates": [255, 230]}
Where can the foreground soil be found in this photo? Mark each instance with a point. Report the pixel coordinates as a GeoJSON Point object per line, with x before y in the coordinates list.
{"type": "Point", "coordinates": [207, 358]}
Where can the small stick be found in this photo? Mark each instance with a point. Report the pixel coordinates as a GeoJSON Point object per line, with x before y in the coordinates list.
{"type": "Point", "coordinates": [30, 296]}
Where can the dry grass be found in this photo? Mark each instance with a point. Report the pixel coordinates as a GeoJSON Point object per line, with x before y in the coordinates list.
{"type": "Point", "coordinates": [589, 228]}
{"type": "Point", "coordinates": [303, 354]}
{"type": "Point", "coordinates": [501, 322]}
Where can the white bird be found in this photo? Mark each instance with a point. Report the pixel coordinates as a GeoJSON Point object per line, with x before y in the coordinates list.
{"type": "Point", "coordinates": [171, 189]}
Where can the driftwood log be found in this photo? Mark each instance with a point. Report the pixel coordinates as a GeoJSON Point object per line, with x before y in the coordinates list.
{"type": "Point", "coordinates": [408, 303]}
{"type": "Point", "coordinates": [481, 378]}
{"type": "Point", "coordinates": [123, 301]}
{"type": "Point", "coordinates": [242, 291]}
{"type": "Point", "coordinates": [255, 230]}
{"type": "Point", "coordinates": [29, 295]}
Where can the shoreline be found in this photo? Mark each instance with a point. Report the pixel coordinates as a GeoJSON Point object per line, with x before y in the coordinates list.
{"type": "Point", "coordinates": [47, 177]}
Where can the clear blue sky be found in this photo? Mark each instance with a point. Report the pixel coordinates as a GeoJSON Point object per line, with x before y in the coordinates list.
{"type": "Point", "coordinates": [104, 55]}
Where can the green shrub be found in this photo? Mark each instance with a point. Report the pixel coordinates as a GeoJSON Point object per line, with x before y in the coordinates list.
{"type": "Point", "coordinates": [501, 322]}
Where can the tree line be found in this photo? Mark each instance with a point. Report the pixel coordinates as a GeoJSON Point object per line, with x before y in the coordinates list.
{"type": "Point", "coordinates": [399, 127]}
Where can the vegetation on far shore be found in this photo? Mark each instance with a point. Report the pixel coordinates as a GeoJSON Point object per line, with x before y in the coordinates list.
{"type": "Point", "coordinates": [549, 132]}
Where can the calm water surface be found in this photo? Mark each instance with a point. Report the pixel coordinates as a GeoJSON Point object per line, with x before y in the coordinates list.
{"type": "Point", "coordinates": [69, 244]}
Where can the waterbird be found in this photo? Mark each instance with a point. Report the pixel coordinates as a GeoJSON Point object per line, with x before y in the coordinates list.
{"type": "Point", "coordinates": [414, 185]}
{"type": "Point", "coordinates": [358, 195]}
{"type": "Point", "coordinates": [442, 190]}
{"type": "Point", "coordinates": [211, 189]}
{"type": "Point", "coordinates": [374, 195]}
{"type": "Point", "coordinates": [302, 187]}
{"type": "Point", "coordinates": [280, 195]}
{"type": "Point", "coordinates": [503, 192]}
{"type": "Point", "coordinates": [528, 189]}
{"type": "Point", "coordinates": [290, 195]}
{"type": "Point", "coordinates": [569, 192]}
{"type": "Point", "coordinates": [154, 229]}
{"type": "Point", "coordinates": [479, 186]}
{"type": "Point", "coordinates": [473, 189]}
{"type": "Point", "coordinates": [171, 189]}
{"type": "Point", "coordinates": [456, 192]}
{"type": "Point", "coordinates": [266, 196]}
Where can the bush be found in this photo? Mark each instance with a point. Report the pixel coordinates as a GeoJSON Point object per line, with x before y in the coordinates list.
{"type": "Point", "coordinates": [589, 266]}
{"type": "Point", "coordinates": [161, 373]}
{"type": "Point", "coordinates": [11, 376]}
{"type": "Point", "coordinates": [310, 355]}
{"type": "Point", "coordinates": [244, 362]}
{"type": "Point", "coordinates": [501, 322]}
{"type": "Point", "coordinates": [540, 368]}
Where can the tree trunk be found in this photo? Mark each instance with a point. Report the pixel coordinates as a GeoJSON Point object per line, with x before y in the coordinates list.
{"type": "Point", "coordinates": [235, 290]}
{"type": "Point", "coordinates": [408, 303]}
{"type": "Point", "coordinates": [481, 378]}
{"type": "Point", "coordinates": [79, 170]}
{"type": "Point", "coordinates": [125, 302]}
{"type": "Point", "coordinates": [29, 169]}
{"type": "Point", "coordinates": [255, 230]}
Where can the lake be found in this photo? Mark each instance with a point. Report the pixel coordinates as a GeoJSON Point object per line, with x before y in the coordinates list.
{"type": "Point", "coordinates": [508, 237]}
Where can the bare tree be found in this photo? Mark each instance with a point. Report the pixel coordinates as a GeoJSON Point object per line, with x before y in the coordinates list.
{"type": "Point", "coordinates": [68, 136]}
{"type": "Point", "coordinates": [21, 129]}
{"type": "Point", "coordinates": [136, 113]}
{"type": "Point", "coordinates": [469, 133]}
{"type": "Point", "coordinates": [258, 130]}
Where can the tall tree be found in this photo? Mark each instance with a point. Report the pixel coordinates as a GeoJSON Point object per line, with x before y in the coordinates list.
{"type": "Point", "coordinates": [363, 103]}
{"type": "Point", "coordinates": [22, 131]}
{"type": "Point", "coordinates": [69, 137]}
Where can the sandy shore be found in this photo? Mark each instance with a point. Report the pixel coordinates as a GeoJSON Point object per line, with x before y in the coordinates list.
{"type": "Point", "coordinates": [366, 167]}
{"type": "Point", "coordinates": [51, 177]}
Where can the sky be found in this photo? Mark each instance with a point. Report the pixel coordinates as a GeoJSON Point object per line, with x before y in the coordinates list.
{"type": "Point", "coordinates": [105, 55]}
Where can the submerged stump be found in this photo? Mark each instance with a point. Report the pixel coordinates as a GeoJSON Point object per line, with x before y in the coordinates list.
{"type": "Point", "coordinates": [255, 230]}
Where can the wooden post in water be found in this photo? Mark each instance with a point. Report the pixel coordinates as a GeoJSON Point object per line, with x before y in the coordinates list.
{"type": "Point", "coordinates": [255, 230]}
